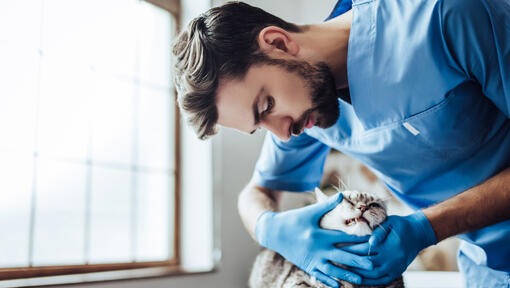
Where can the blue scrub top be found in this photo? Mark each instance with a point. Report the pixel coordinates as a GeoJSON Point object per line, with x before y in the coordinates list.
{"type": "Point", "coordinates": [430, 92]}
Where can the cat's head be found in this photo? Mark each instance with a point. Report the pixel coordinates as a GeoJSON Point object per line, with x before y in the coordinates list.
{"type": "Point", "coordinates": [359, 213]}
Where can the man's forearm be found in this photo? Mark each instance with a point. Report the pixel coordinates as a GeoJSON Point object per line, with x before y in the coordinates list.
{"type": "Point", "coordinates": [478, 207]}
{"type": "Point", "coordinates": [253, 201]}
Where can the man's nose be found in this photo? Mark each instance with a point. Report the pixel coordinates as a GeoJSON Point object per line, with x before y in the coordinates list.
{"type": "Point", "coordinates": [279, 127]}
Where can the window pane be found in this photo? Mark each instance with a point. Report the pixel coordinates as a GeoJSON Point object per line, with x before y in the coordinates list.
{"type": "Point", "coordinates": [87, 99]}
{"type": "Point", "coordinates": [155, 45]}
{"type": "Point", "coordinates": [155, 132]}
{"type": "Point", "coordinates": [63, 109]}
{"type": "Point", "coordinates": [25, 17]}
{"type": "Point", "coordinates": [112, 121]}
{"type": "Point", "coordinates": [60, 213]}
{"type": "Point", "coordinates": [114, 22]}
{"type": "Point", "coordinates": [153, 199]}
{"type": "Point", "coordinates": [19, 74]}
{"type": "Point", "coordinates": [69, 28]}
{"type": "Point", "coordinates": [16, 189]}
{"type": "Point", "coordinates": [111, 215]}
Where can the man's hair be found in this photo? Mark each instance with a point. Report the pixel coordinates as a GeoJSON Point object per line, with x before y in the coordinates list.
{"type": "Point", "coordinates": [220, 43]}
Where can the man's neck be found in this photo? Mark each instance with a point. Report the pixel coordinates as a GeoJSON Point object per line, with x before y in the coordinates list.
{"type": "Point", "coordinates": [327, 42]}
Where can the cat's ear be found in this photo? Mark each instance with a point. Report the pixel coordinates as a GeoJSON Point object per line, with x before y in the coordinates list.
{"type": "Point", "coordinates": [321, 197]}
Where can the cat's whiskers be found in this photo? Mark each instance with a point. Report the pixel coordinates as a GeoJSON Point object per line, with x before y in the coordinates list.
{"type": "Point", "coordinates": [340, 181]}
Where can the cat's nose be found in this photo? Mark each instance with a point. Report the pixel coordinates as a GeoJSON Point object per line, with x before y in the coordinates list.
{"type": "Point", "coordinates": [362, 208]}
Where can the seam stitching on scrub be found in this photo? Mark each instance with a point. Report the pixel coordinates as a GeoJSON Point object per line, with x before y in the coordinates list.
{"type": "Point", "coordinates": [362, 2]}
{"type": "Point", "coordinates": [487, 4]}
{"type": "Point", "coordinates": [300, 185]}
{"type": "Point", "coordinates": [419, 115]}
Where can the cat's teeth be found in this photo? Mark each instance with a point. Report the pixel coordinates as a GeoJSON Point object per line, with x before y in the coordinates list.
{"type": "Point", "coordinates": [362, 219]}
{"type": "Point", "coordinates": [349, 222]}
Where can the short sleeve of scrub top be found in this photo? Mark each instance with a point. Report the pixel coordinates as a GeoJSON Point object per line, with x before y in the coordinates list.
{"type": "Point", "coordinates": [295, 165]}
{"type": "Point", "coordinates": [477, 34]}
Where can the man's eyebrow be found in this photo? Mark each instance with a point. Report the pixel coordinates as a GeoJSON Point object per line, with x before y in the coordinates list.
{"type": "Point", "coordinates": [255, 109]}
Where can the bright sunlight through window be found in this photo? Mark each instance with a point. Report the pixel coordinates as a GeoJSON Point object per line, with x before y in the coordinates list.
{"type": "Point", "coordinates": [87, 127]}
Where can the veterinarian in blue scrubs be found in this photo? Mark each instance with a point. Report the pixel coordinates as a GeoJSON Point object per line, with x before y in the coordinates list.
{"type": "Point", "coordinates": [427, 110]}
{"type": "Point", "coordinates": [430, 90]}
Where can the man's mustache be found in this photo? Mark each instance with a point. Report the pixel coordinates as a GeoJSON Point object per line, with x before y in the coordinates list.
{"type": "Point", "coordinates": [298, 125]}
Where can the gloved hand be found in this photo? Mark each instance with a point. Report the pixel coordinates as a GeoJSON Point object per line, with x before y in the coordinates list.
{"type": "Point", "coordinates": [393, 246]}
{"type": "Point", "coordinates": [296, 235]}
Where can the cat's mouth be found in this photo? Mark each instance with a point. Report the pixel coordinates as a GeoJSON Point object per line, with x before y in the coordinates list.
{"type": "Point", "coordinates": [354, 221]}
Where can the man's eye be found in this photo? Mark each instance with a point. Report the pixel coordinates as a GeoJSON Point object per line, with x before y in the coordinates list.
{"type": "Point", "coordinates": [269, 105]}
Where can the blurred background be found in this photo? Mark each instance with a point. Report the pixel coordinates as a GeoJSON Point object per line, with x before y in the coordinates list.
{"type": "Point", "coordinates": [96, 172]}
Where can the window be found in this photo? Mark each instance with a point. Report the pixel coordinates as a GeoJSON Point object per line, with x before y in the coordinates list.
{"type": "Point", "coordinates": [88, 126]}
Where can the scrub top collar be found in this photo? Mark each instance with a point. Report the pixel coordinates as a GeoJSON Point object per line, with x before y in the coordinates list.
{"type": "Point", "coordinates": [360, 58]}
{"type": "Point", "coordinates": [360, 54]}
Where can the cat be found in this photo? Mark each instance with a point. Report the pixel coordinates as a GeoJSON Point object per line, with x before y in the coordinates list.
{"type": "Point", "coordinates": [359, 213]}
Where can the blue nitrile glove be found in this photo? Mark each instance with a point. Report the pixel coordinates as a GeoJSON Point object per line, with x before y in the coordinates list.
{"type": "Point", "coordinates": [393, 246]}
{"type": "Point", "coordinates": [296, 235]}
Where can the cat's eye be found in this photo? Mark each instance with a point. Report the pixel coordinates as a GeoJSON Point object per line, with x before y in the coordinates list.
{"type": "Point", "coordinates": [374, 205]}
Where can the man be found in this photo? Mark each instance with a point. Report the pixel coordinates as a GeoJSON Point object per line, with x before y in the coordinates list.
{"type": "Point", "coordinates": [419, 91]}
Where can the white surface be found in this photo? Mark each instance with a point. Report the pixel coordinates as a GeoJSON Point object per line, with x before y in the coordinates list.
{"type": "Point", "coordinates": [59, 233]}
{"type": "Point", "coordinates": [75, 32]}
{"type": "Point", "coordinates": [197, 202]}
{"type": "Point", "coordinates": [153, 217]}
{"type": "Point", "coordinates": [111, 203]}
{"type": "Point", "coordinates": [15, 207]}
{"type": "Point", "coordinates": [64, 109]}
{"type": "Point", "coordinates": [19, 70]}
{"type": "Point", "coordinates": [155, 121]}
{"type": "Point", "coordinates": [432, 279]}
{"type": "Point", "coordinates": [112, 137]}
{"type": "Point", "coordinates": [155, 34]}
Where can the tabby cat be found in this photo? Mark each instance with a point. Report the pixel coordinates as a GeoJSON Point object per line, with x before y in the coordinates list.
{"type": "Point", "coordinates": [359, 213]}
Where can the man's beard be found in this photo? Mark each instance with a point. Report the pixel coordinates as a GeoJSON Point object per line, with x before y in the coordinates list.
{"type": "Point", "coordinates": [319, 79]}
{"type": "Point", "coordinates": [324, 98]}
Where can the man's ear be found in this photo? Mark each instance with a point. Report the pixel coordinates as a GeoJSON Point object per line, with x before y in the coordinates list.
{"type": "Point", "coordinates": [276, 39]}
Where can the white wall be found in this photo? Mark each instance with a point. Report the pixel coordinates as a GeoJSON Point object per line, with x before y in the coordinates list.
{"type": "Point", "coordinates": [235, 155]}
{"type": "Point", "coordinates": [296, 11]}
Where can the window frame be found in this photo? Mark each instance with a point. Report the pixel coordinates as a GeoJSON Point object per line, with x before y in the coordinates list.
{"type": "Point", "coordinates": [29, 276]}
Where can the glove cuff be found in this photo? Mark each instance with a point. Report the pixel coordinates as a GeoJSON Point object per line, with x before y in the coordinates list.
{"type": "Point", "coordinates": [425, 229]}
{"type": "Point", "coordinates": [262, 228]}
